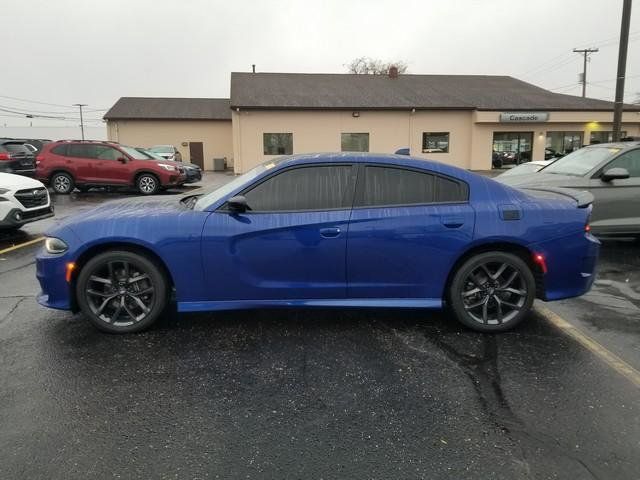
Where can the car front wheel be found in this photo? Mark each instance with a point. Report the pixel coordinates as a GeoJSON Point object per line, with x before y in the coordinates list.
{"type": "Point", "coordinates": [492, 291]}
{"type": "Point", "coordinates": [121, 291]}
{"type": "Point", "coordinates": [148, 184]}
{"type": "Point", "coordinates": [62, 183]}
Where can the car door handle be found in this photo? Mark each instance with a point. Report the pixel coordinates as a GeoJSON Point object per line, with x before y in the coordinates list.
{"type": "Point", "coordinates": [329, 232]}
{"type": "Point", "coordinates": [452, 222]}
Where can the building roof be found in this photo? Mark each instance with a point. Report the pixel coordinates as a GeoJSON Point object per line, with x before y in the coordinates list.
{"type": "Point", "coordinates": [146, 108]}
{"type": "Point", "coordinates": [300, 91]}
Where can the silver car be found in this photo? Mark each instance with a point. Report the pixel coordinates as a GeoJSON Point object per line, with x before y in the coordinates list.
{"type": "Point", "coordinates": [610, 171]}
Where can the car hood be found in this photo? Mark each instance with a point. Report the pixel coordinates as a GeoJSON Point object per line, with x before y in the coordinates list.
{"type": "Point", "coordinates": [541, 178]}
{"type": "Point", "coordinates": [18, 182]}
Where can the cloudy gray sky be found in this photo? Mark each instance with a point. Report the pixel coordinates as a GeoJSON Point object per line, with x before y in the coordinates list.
{"type": "Point", "coordinates": [94, 51]}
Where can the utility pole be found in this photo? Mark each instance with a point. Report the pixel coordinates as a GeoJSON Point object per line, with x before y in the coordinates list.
{"type": "Point", "coordinates": [585, 52]}
{"type": "Point", "coordinates": [80, 105]}
{"type": "Point", "coordinates": [622, 67]}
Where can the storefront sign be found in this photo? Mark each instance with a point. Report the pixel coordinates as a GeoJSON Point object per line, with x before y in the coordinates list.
{"type": "Point", "coordinates": [523, 117]}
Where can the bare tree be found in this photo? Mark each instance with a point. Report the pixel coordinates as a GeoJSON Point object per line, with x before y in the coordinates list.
{"type": "Point", "coordinates": [372, 66]}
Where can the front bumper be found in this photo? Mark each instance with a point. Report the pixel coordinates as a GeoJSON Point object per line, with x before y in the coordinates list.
{"type": "Point", "coordinates": [17, 217]}
{"type": "Point", "coordinates": [193, 176]}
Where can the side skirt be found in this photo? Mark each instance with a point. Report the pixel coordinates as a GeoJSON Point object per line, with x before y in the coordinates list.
{"type": "Point", "coordinates": [339, 303]}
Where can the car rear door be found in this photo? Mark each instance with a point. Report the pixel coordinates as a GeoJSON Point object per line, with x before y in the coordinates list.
{"type": "Point", "coordinates": [79, 162]}
{"type": "Point", "coordinates": [407, 228]}
{"type": "Point", "coordinates": [616, 208]}
{"type": "Point", "coordinates": [291, 245]}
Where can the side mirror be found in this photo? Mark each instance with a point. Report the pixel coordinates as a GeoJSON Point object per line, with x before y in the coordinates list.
{"type": "Point", "coordinates": [616, 173]}
{"type": "Point", "coordinates": [122, 159]}
{"type": "Point", "coordinates": [238, 204]}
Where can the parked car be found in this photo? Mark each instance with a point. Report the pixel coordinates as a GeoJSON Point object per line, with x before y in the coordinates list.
{"type": "Point", "coordinates": [525, 168]}
{"type": "Point", "coordinates": [610, 171]}
{"type": "Point", "coordinates": [403, 151]}
{"type": "Point", "coordinates": [500, 159]}
{"type": "Point", "coordinates": [83, 164]}
{"type": "Point", "coordinates": [16, 158]}
{"type": "Point", "coordinates": [193, 172]}
{"type": "Point", "coordinates": [169, 152]}
{"type": "Point", "coordinates": [22, 200]}
{"type": "Point", "coordinates": [36, 143]}
{"type": "Point", "coordinates": [326, 230]}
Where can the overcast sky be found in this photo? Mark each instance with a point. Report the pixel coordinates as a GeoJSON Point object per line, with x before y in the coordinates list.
{"type": "Point", "coordinates": [94, 51]}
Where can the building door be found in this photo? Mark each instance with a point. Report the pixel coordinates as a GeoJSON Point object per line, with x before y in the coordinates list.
{"type": "Point", "coordinates": [512, 148]}
{"type": "Point", "coordinates": [196, 154]}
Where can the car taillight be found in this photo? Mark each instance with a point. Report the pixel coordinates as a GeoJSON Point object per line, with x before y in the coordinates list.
{"type": "Point", "coordinates": [39, 158]}
{"type": "Point", "coordinates": [587, 228]}
{"type": "Point", "coordinates": [5, 156]}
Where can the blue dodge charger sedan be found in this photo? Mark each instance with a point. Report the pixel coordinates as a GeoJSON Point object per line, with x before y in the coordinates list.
{"type": "Point", "coordinates": [328, 230]}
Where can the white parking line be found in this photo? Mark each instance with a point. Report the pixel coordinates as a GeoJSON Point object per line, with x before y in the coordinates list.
{"type": "Point", "coordinates": [608, 357]}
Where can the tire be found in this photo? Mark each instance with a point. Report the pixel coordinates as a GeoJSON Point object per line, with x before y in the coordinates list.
{"type": "Point", "coordinates": [62, 183]}
{"type": "Point", "coordinates": [147, 184]}
{"type": "Point", "coordinates": [110, 303]}
{"type": "Point", "coordinates": [481, 280]}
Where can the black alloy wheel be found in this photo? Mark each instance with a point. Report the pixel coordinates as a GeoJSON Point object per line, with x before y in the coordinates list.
{"type": "Point", "coordinates": [492, 291]}
{"type": "Point", "coordinates": [121, 291]}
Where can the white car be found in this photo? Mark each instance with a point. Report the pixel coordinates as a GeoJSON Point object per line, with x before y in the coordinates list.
{"type": "Point", "coordinates": [22, 200]}
{"type": "Point", "coordinates": [168, 152]}
{"type": "Point", "coordinates": [526, 168]}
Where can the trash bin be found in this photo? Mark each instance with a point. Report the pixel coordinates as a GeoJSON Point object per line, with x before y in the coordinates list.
{"type": "Point", "coordinates": [219, 164]}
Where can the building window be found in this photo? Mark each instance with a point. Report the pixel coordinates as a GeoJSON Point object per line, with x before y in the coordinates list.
{"type": "Point", "coordinates": [278, 143]}
{"type": "Point", "coordinates": [561, 143]}
{"type": "Point", "coordinates": [355, 142]}
{"type": "Point", "coordinates": [435, 142]}
{"type": "Point", "coordinates": [511, 148]}
{"type": "Point", "coordinates": [604, 136]}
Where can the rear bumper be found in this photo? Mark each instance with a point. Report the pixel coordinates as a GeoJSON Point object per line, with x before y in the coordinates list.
{"type": "Point", "coordinates": [17, 168]}
{"type": "Point", "coordinates": [571, 265]}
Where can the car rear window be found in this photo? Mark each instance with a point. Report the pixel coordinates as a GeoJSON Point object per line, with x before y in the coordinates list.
{"type": "Point", "coordinates": [59, 149]}
{"type": "Point", "coordinates": [16, 148]}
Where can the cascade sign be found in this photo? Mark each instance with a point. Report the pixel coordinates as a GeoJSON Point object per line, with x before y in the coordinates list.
{"type": "Point", "coordinates": [523, 117]}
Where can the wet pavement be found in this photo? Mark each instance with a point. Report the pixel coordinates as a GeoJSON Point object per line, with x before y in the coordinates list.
{"type": "Point", "coordinates": [316, 393]}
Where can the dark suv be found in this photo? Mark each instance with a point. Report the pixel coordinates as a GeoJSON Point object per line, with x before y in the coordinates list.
{"type": "Point", "coordinates": [16, 158]}
{"type": "Point", "coordinates": [83, 164]}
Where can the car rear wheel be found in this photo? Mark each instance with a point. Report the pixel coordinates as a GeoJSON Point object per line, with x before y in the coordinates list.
{"type": "Point", "coordinates": [148, 184]}
{"type": "Point", "coordinates": [492, 291]}
{"type": "Point", "coordinates": [121, 291]}
{"type": "Point", "coordinates": [62, 183]}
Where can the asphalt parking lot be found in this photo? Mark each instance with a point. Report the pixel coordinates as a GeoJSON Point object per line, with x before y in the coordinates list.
{"type": "Point", "coordinates": [319, 393]}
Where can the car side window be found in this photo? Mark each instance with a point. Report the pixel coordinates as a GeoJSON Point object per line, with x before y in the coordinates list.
{"type": "Point", "coordinates": [59, 150]}
{"type": "Point", "coordinates": [304, 188]}
{"type": "Point", "coordinates": [395, 186]}
{"type": "Point", "coordinates": [101, 152]}
{"type": "Point", "coordinates": [78, 150]}
{"type": "Point", "coordinates": [449, 190]}
{"type": "Point", "coordinates": [629, 160]}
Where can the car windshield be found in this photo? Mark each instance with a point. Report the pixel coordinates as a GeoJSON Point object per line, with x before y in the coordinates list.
{"type": "Point", "coordinates": [208, 197]}
{"type": "Point", "coordinates": [522, 169]}
{"type": "Point", "coordinates": [150, 154]}
{"type": "Point", "coordinates": [581, 161]}
{"type": "Point", "coordinates": [133, 153]}
{"type": "Point", "coordinates": [162, 149]}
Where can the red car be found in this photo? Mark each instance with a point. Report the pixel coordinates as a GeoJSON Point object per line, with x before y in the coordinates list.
{"type": "Point", "coordinates": [66, 164]}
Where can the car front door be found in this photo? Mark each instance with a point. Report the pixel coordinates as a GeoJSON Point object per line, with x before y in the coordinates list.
{"type": "Point", "coordinates": [616, 206]}
{"type": "Point", "coordinates": [407, 228]}
{"type": "Point", "coordinates": [290, 245]}
{"type": "Point", "coordinates": [109, 168]}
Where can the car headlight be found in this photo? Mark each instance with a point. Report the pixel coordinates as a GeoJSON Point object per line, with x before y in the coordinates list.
{"type": "Point", "coordinates": [166, 166]}
{"type": "Point", "coordinates": [55, 245]}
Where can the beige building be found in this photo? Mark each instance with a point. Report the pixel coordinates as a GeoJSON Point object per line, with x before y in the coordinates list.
{"type": "Point", "coordinates": [457, 119]}
{"type": "Point", "coordinates": [200, 128]}
{"type": "Point", "coordinates": [472, 121]}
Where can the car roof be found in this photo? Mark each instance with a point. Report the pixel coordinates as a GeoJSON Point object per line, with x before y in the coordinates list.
{"type": "Point", "coordinates": [622, 145]}
{"type": "Point", "coordinates": [382, 158]}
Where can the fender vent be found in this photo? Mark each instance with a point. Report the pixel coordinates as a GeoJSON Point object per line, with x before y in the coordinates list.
{"type": "Point", "coordinates": [510, 212]}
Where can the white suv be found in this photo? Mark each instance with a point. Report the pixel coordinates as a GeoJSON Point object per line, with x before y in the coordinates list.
{"type": "Point", "coordinates": [22, 200]}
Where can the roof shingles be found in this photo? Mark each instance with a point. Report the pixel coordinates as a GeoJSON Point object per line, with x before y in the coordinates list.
{"type": "Point", "coordinates": [347, 91]}
{"type": "Point", "coordinates": [146, 108]}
